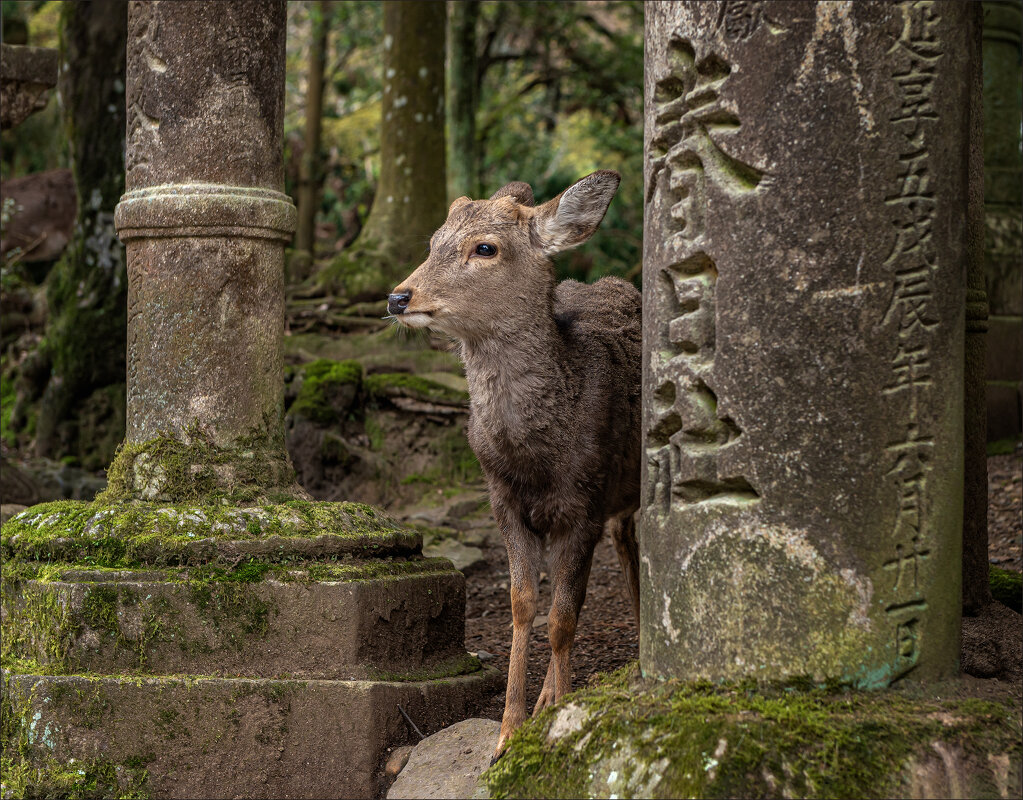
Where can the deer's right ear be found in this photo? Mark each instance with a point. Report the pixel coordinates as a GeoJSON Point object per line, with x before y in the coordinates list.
{"type": "Point", "coordinates": [518, 191]}
{"type": "Point", "coordinates": [574, 215]}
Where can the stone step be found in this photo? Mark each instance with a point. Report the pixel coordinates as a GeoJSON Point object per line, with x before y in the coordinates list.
{"type": "Point", "coordinates": [187, 737]}
{"type": "Point", "coordinates": [370, 618]}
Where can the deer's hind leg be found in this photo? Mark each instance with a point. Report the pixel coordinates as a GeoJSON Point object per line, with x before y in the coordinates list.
{"type": "Point", "coordinates": [570, 560]}
{"type": "Point", "coordinates": [623, 534]}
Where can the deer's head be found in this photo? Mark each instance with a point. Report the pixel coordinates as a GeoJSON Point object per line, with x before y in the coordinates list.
{"type": "Point", "coordinates": [490, 261]}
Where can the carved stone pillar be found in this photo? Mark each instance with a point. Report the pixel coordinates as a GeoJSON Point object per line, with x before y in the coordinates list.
{"type": "Point", "coordinates": [804, 290]}
{"type": "Point", "coordinates": [205, 222]}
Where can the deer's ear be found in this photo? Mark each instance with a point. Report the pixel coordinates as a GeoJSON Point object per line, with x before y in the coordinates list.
{"type": "Point", "coordinates": [520, 192]}
{"type": "Point", "coordinates": [574, 215]}
{"type": "Point", "coordinates": [458, 202]}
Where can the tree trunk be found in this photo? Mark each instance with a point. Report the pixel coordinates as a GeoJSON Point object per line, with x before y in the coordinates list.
{"type": "Point", "coordinates": [463, 162]}
{"type": "Point", "coordinates": [410, 201]}
{"type": "Point", "coordinates": [309, 167]}
{"type": "Point", "coordinates": [82, 410]}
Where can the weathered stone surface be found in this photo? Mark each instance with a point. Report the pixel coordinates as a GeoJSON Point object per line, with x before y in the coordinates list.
{"type": "Point", "coordinates": [205, 224]}
{"type": "Point", "coordinates": [465, 557]}
{"type": "Point", "coordinates": [28, 74]}
{"type": "Point", "coordinates": [222, 738]}
{"type": "Point", "coordinates": [649, 739]}
{"type": "Point", "coordinates": [804, 254]}
{"type": "Point", "coordinates": [357, 619]}
{"type": "Point", "coordinates": [449, 763]}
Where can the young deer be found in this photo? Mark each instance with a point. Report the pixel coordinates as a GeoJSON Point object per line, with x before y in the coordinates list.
{"type": "Point", "coordinates": [554, 386]}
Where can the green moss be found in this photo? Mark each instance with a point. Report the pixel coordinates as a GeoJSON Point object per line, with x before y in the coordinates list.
{"type": "Point", "coordinates": [328, 390]}
{"type": "Point", "coordinates": [672, 739]}
{"type": "Point", "coordinates": [76, 780]}
{"type": "Point", "coordinates": [134, 534]}
{"type": "Point", "coordinates": [194, 469]}
{"type": "Point", "coordinates": [402, 384]}
{"type": "Point", "coordinates": [7, 398]}
{"type": "Point", "coordinates": [460, 665]}
{"type": "Point", "coordinates": [1007, 587]}
{"type": "Point", "coordinates": [1004, 447]}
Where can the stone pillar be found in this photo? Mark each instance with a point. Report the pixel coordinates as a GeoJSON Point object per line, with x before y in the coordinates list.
{"type": "Point", "coordinates": [205, 222]}
{"type": "Point", "coordinates": [1003, 207]}
{"type": "Point", "coordinates": [805, 249]}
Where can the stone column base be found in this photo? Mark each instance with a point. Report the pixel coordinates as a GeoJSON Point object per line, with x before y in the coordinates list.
{"type": "Point", "coordinates": [219, 651]}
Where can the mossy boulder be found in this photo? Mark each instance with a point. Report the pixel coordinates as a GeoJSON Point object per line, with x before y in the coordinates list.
{"type": "Point", "coordinates": [328, 391]}
{"type": "Point", "coordinates": [630, 737]}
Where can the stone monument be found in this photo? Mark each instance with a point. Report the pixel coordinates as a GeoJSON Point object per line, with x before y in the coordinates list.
{"type": "Point", "coordinates": [202, 629]}
{"type": "Point", "coordinates": [805, 247]}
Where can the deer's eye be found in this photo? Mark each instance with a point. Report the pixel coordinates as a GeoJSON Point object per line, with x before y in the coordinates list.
{"type": "Point", "coordinates": [486, 250]}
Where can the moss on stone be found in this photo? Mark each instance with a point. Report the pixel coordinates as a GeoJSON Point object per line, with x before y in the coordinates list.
{"type": "Point", "coordinates": [627, 737]}
{"type": "Point", "coordinates": [136, 534]}
{"type": "Point", "coordinates": [328, 390]}
{"type": "Point", "coordinates": [464, 664]}
{"type": "Point", "coordinates": [1007, 587]}
{"type": "Point", "coordinates": [402, 384]}
{"type": "Point", "coordinates": [193, 469]}
{"type": "Point", "coordinates": [27, 774]}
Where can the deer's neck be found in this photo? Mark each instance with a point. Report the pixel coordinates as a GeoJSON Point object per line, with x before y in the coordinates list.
{"type": "Point", "coordinates": [518, 378]}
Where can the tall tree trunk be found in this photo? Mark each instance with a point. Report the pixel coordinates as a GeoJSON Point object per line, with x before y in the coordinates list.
{"type": "Point", "coordinates": [82, 410]}
{"type": "Point", "coordinates": [309, 167]}
{"type": "Point", "coordinates": [463, 161]}
{"type": "Point", "coordinates": [411, 197]}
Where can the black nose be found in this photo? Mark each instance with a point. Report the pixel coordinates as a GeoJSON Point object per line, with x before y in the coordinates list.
{"type": "Point", "coordinates": [398, 302]}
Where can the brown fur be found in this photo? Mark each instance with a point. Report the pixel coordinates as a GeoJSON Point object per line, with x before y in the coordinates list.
{"type": "Point", "coordinates": [554, 382]}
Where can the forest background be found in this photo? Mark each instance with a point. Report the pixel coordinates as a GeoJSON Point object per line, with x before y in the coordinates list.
{"type": "Point", "coordinates": [414, 102]}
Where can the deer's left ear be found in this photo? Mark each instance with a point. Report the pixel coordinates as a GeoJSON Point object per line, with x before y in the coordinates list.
{"type": "Point", "coordinates": [574, 215]}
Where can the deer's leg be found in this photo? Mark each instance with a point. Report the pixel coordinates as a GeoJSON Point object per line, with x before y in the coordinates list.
{"type": "Point", "coordinates": [525, 555]}
{"type": "Point", "coordinates": [570, 562]}
{"type": "Point", "coordinates": [623, 534]}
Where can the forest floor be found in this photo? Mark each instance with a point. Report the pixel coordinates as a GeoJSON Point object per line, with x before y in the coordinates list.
{"type": "Point", "coordinates": [607, 637]}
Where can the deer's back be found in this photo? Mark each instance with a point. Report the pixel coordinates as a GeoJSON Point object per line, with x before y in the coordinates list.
{"type": "Point", "coordinates": [583, 457]}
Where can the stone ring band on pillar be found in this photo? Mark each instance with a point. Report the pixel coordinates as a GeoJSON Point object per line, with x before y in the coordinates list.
{"type": "Point", "coordinates": [205, 209]}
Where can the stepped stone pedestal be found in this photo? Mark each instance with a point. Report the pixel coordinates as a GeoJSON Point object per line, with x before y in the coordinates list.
{"type": "Point", "coordinates": [202, 629]}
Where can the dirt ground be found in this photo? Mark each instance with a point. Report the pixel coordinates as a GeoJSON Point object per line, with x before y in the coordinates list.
{"type": "Point", "coordinates": [607, 637]}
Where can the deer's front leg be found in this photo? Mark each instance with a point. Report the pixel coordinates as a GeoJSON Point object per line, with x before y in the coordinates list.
{"type": "Point", "coordinates": [570, 559]}
{"type": "Point", "coordinates": [525, 555]}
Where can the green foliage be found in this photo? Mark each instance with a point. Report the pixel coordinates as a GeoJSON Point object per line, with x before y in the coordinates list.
{"type": "Point", "coordinates": [562, 96]}
{"type": "Point", "coordinates": [1007, 587]}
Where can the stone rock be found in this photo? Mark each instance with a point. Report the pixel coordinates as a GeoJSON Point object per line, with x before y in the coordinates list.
{"type": "Point", "coordinates": [46, 205]}
{"type": "Point", "coordinates": [397, 760]}
{"type": "Point", "coordinates": [448, 763]}
{"type": "Point", "coordinates": [28, 74]}
{"type": "Point", "coordinates": [804, 241]}
{"type": "Point", "coordinates": [464, 557]}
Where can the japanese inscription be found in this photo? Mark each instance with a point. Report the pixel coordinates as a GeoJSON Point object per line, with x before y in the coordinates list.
{"type": "Point", "coordinates": [911, 262]}
{"type": "Point", "coordinates": [685, 439]}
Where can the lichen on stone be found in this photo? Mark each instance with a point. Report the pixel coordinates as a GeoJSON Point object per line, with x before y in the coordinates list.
{"type": "Point", "coordinates": [636, 738]}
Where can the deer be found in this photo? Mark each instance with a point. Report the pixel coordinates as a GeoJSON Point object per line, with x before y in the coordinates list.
{"type": "Point", "coordinates": [553, 371]}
